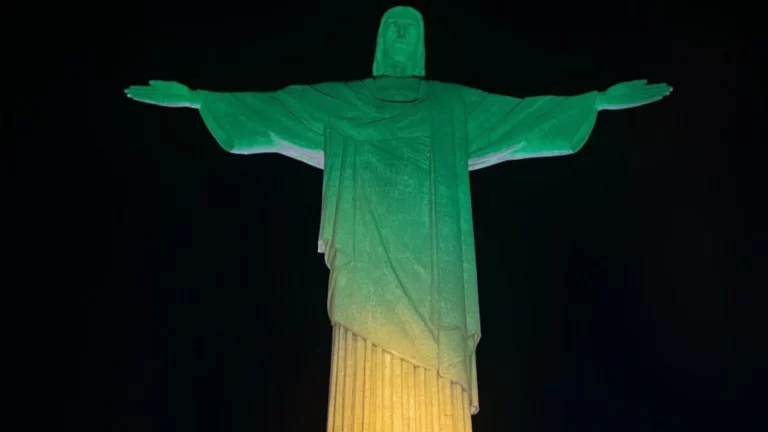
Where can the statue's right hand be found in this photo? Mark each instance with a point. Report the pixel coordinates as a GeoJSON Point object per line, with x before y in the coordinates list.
{"type": "Point", "coordinates": [165, 93]}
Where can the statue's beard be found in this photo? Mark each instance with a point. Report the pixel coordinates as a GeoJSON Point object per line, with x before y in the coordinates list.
{"type": "Point", "coordinates": [399, 66]}
{"type": "Point", "coordinates": [400, 52]}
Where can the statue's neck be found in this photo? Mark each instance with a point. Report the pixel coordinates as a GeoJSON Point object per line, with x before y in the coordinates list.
{"type": "Point", "coordinates": [396, 69]}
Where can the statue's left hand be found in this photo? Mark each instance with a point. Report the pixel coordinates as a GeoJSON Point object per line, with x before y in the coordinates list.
{"type": "Point", "coordinates": [165, 93]}
{"type": "Point", "coordinates": [631, 94]}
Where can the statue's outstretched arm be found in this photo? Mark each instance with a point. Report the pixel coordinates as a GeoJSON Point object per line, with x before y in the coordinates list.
{"type": "Point", "coordinates": [502, 128]}
{"type": "Point", "coordinates": [286, 121]}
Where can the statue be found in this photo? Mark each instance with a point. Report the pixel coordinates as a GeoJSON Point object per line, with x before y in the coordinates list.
{"type": "Point", "coordinates": [396, 222]}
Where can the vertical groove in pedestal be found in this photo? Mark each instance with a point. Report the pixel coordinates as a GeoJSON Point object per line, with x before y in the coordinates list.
{"type": "Point", "coordinates": [373, 390]}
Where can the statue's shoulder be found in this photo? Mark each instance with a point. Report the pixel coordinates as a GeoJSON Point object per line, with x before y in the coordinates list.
{"type": "Point", "coordinates": [443, 86]}
{"type": "Point", "coordinates": [339, 90]}
{"type": "Point", "coordinates": [449, 90]}
{"type": "Point", "coordinates": [328, 87]}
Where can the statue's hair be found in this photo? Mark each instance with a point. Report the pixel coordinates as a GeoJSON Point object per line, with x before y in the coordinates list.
{"type": "Point", "coordinates": [418, 61]}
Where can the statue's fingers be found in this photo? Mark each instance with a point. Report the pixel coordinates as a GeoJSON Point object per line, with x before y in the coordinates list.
{"type": "Point", "coordinates": [139, 99]}
{"type": "Point", "coordinates": [149, 96]}
{"type": "Point", "coordinates": [655, 94]}
{"type": "Point", "coordinates": [139, 92]}
{"type": "Point", "coordinates": [656, 90]}
{"type": "Point", "coordinates": [637, 83]}
{"type": "Point", "coordinates": [651, 100]}
{"type": "Point", "coordinates": [660, 86]}
{"type": "Point", "coordinates": [137, 88]}
{"type": "Point", "coordinates": [138, 95]}
{"type": "Point", "coordinates": [161, 83]}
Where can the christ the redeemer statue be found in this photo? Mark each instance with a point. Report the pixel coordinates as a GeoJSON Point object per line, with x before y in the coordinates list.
{"type": "Point", "coordinates": [396, 222]}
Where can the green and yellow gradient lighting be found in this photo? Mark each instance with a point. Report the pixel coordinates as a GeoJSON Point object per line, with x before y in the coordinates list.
{"type": "Point", "coordinates": [396, 222]}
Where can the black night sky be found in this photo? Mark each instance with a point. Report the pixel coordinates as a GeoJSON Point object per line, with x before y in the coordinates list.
{"type": "Point", "coordinates": [616, 285]}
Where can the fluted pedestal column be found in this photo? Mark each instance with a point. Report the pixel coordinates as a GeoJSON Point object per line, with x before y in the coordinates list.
{"type": "Point", "coordinates": [373, 390]}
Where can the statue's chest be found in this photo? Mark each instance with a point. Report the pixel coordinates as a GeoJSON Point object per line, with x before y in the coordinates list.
{"type": "Point", "coordinates": [389, 121]}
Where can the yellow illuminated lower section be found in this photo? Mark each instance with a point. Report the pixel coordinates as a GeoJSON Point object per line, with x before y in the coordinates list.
{"type": "Point", "coordinates": [373, 390]}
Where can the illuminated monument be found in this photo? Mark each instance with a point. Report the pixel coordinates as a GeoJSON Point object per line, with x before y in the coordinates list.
{"type": "Point", "coordinates": [396, 222]}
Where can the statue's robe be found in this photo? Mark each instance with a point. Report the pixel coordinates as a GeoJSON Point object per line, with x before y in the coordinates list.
{"type": "Point", "coordinates": [396, 223]}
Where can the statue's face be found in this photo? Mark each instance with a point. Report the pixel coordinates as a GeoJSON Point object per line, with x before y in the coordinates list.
{"type": "Point", "coordinates": [400, 44]}
{"type": "Point", "coordinates": [400, 38]}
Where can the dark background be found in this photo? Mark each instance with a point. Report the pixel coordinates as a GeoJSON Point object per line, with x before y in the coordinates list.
{"type": "Point", "coordinates": [617, 285]}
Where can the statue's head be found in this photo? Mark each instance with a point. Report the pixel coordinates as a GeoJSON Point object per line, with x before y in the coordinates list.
{"type": "Point", "coordinates": [400, 44]}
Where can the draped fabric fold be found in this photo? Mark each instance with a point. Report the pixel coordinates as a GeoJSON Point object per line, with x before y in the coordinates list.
{"type": "Point", "coordinates": [374, 390]}
{"type": "Point", "coordinates": [396, 225]}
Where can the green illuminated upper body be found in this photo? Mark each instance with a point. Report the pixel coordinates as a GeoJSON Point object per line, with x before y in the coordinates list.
{"type": "Point", "coordinates": [396, 149]}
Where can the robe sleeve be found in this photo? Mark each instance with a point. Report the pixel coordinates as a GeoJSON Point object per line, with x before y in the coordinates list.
{"type": "Point", "coordinates": [289, 121]}
{"type": "Point", "coordinates": [502, 128]}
